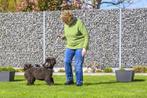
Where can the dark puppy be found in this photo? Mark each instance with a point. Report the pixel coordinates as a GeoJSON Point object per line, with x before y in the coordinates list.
{"type": "Point", "coordinates": [40, 73]}
{"type": "Point", "coordinates": [37, 65]}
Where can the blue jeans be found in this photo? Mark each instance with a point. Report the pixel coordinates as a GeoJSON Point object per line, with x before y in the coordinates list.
{"type": "Point", "coordinates": [79, 59]}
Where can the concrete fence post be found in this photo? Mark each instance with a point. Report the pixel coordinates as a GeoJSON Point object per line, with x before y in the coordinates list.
{"type": "Point", "coordinates": [120, 36]}
{"type": "Point", "coordinates": [44, 47]}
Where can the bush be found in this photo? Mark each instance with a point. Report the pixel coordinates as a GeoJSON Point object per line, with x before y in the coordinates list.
{"type": "Point", "coordinates": [140, 69]}
{"type": "Point", "coordinates": [98, 71]}
{"type": "Point", "coordinates": [38, 5]}
{"type": "Point", "coordinates": [89, 70]}
{"type": "Point", "coordinates": [86, 71]}
{"type": "Point", "coordinates": [108, 70]}
{"type": "Point", "coordinates": [6, 68]}
{"type": "Point", "coordinates": [19, 70]}
{"type": "Point", "coordinates": [61, 70]}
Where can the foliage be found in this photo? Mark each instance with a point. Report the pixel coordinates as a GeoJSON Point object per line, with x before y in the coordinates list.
{"type": "Point", "coordinates": [7, 68]}
{"type": "Point", "coordinates": [108, 69]}
{"type": "Point", "coordinates": [27, 5]}
{"type": "Point", "coordinates": [122, 68]}
{"type": "Point", "coordinates": [43, 4]}
{"type": "Point", "coordinates": [61, 70]}
{"type": "Point", "coordinates": [38, 5]}
{"type": "Point", "coordinates": [52, 5]}
{"type": "Point", "coordinates": [8, 5]}
{"type": "Point", "coordinates": [19, 70]}
{"type": "Point", "coordinates": [49, 5]}
{"type": "Point", "coordinates": [140, 69]}
{"type": "Point", "coordinates": [98, 71]}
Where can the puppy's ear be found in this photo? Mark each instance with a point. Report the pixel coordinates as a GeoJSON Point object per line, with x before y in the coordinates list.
{"type": "Point", "coordinates": [53, 61]}
{"type": "Point", "coordinates": [27, 66]}
{"type": "Point", "coordinates": [37, 65]}
{"type": "Point", "coordinates": [47, 59]}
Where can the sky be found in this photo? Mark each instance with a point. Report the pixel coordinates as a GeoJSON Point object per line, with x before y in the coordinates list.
{"type": "Point", "coordinates": [134, 4]}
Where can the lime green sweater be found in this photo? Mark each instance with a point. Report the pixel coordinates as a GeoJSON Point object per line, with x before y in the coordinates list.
{"type": "Point", "coordinates": [76, 35]}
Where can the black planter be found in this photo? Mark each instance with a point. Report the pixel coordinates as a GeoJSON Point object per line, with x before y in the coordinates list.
{"type": "Point", "coordinates": [7, 76]}
{"type": "Point", "coordinates": [124, 75]}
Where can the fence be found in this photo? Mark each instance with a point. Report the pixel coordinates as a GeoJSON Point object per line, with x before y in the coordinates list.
{"type": "Point", "coordinates": [31, 37]}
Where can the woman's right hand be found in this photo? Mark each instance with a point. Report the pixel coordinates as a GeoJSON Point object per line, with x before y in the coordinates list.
{"type": "Point", "coordinates": [84, 51]}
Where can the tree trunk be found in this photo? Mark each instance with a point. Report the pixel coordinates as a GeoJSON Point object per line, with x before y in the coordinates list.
{"type": "Point", "coordinates": [98, 3]}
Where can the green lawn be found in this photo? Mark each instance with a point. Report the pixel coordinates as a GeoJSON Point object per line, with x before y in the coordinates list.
{"type": "Point", "coordinates": [94, 87]}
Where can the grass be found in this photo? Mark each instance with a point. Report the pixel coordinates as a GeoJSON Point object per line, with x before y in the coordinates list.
{"type": "Point", "coordinates": [94, 87]}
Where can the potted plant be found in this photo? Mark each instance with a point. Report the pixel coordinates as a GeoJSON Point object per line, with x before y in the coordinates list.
{"type": "Point", "coordinates": [124, 75]}
{"type": "Point", "coordinates": [7, 73]}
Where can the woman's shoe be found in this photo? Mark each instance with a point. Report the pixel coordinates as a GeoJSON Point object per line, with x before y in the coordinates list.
{"type": "Point", "coordinates": [69, 83]}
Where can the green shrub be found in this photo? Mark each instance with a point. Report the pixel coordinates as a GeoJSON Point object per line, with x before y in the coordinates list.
{"type": "Point", "coordinates": [6, 68]}
{"type": "Point", "coordinates": [61, 70]}
{"type": "Point", "coordinates": [98, 71]}
{"type": "Point", "coordinates": [108, 70]}
{"type": "Point", "coordinates": [19, 70]}
{"type": "Point", "coordinates": [140, 69]}
{"type": "Point", "coordinates": [86, 71]}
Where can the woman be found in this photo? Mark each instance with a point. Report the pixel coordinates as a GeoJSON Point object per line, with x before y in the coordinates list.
{"type": "Point", "coordinates": [77, 39]}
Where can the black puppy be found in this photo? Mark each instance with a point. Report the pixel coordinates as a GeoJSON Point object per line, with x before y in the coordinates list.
{"type": "Point", "coordinates": [40, 73]}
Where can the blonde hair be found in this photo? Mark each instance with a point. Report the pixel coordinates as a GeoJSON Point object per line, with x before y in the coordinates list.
{"type": "Point", "coordinates": [66, 16]}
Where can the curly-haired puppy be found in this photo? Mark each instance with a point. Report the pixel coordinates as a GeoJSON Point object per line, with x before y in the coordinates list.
{"type": "Point", "coordinates": [40, 73]}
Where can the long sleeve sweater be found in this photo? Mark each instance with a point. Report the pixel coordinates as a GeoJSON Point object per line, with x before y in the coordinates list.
{"type": "Point", "coordinates": [76, 35]}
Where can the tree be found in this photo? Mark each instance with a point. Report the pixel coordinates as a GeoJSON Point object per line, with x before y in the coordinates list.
{"type": "Point", "coordinates": [98, 3]}
{"type": "Point", "coordinates": [52, 5]}
{"type": "Point", "coordinates": [4, 5]}
{"type": "Point", "coordinates": [8, 5]}
{"type": "Point", "coordinates": [38, 5]}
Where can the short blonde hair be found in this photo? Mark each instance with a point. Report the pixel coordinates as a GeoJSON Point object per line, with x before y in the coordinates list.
{"type": "Point", "coordinates": [66, 16]}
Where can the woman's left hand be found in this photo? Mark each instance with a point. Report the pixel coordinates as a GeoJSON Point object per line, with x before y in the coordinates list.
{"type": "Point", "coordinates": [84, 52]}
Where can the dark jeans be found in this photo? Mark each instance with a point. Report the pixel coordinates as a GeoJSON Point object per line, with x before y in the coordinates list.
{"type": "Point", "coordinates": [79, 59]}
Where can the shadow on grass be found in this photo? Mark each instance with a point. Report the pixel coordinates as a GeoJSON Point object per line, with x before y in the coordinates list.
{"type": "Point", "coordinates": [98, 83]}
{"type": "Point", "coordinates": [112, 82]}
{"type": "Point", "coordinates": [138, 80]}
{"type": "Point", "coordinates": [38, 84]}
{"type": "Point", "coordinates": [18, 80]}
{"type": "Point", "coordinates": [59, 84]}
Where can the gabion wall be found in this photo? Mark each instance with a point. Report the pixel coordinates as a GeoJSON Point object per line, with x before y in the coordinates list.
{"type": "Point", "coordinates": [21, 37]}
{"type": "Point", "coordinates": [134, 37]}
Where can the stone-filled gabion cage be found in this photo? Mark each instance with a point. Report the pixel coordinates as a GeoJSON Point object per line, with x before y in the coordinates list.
{"type": "Point", "coordinates": [30, 37]}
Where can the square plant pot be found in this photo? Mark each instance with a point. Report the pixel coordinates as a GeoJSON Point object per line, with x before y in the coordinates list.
{"type": "Point", "coordinates": [7, 76]}
{"type": "Point", "coordinates": [124, 75]}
